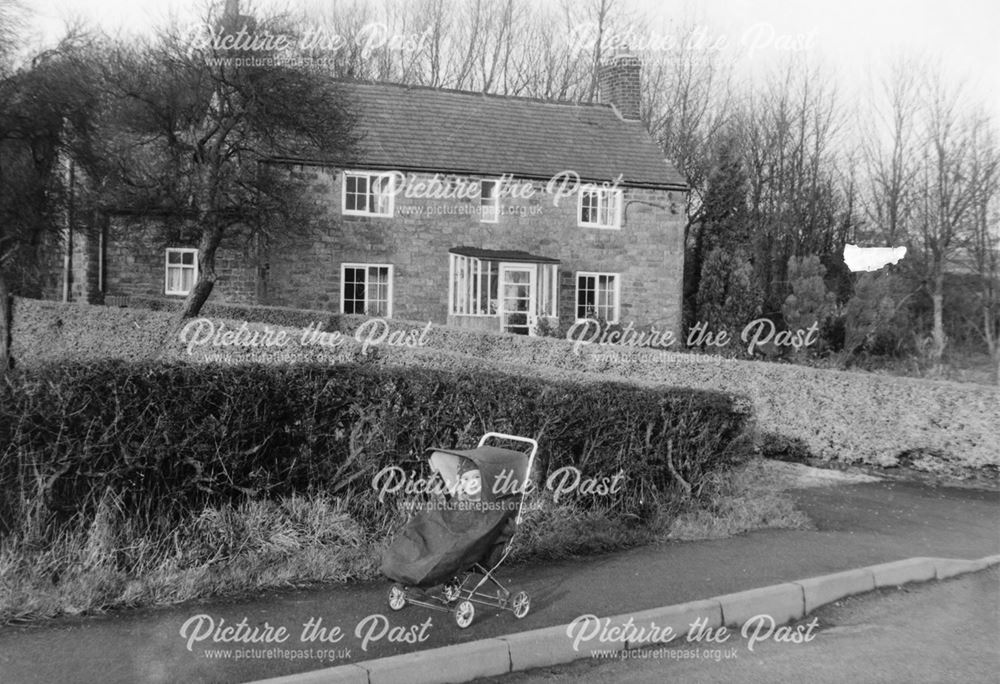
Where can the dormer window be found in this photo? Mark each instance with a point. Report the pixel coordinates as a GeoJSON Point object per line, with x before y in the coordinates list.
{"type": "Point", "coordinates": [599, 207]}
{"type": "Point", "coordinates": [368, 194]}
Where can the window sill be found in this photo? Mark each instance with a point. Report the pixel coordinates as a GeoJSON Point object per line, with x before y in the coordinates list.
{"type": "Point", "coordinates": [599, 227]}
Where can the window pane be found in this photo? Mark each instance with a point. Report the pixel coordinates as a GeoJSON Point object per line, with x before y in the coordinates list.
{"type": "Point", "coordinates": [489, 201]}
{"type": "Point", "coordinates": [585, 296]}
{"type": "Point", "coordinates": [354, 290]}
{"type": "Point", "coordinates": [356, 194]}
{"type": "Point", "coordinates": [187, 279]}
{"type": "Point", "coordinates": [458, 282]}
{"type": "Point", "coordinates": [188, 258]}
{"type": "Point", "coordinates": [377, 295]}
{"type": "Point", "coordinates": [380, 195]}
{"type": "Point", "coordinates": [588, 207]}
{"type": "Point", "coordinates": [173, 257]}
{"type": "Point", "coordinates": [608, 297]}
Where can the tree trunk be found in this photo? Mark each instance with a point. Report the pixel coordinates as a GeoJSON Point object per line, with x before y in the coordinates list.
{"type": "Point", "coordinates": [692, 278]}
{"type": "Point", "coordinates": [938, 333]}
{"type": "Point", "coordinates": [210, 239]}
{"type": "Point", "coordinates": [992, 343]}
{"type": "Point", "coordinates": [5, 324]}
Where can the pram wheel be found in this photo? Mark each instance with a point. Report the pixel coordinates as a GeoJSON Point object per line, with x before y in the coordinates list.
{"type": "Point", "coordinates": [520, 604]}
{"type": "Point", "coordinates": [464, 614]}
{"type": "Point", "coordinates": [397, 597]}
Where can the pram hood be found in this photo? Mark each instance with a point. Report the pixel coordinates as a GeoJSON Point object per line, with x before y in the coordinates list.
{"type": "Point", "coordinates": [502, 472]}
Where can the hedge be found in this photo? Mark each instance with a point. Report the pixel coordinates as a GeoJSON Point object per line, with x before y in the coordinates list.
{"type": "Point", "coordinates": [846, 416]}
{"type": "Point", "coordinates": [171, 439]}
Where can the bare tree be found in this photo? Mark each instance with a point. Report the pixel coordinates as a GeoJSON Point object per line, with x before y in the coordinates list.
{"type": "Point", "coordinates": [947, 187]}
{"type": "Point", "coordinates": [687, 107]}
{"type": "Point", "coordinates": [983, 239]}
{"type": "Point", "coordinates": [190, 133]}
{"type": "Point", "coordinates": [46, 105]}
{"type": "Point", "coordinates": [788, 132]}
{"type": "Point", "coordinates": [888, 144]}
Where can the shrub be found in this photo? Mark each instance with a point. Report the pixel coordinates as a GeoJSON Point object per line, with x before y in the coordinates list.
{"type": "Point", "coordinates": [877, 319]}
{"type": "Point", "coordinates": [778, 447]}
{"type": "Point", "coordinates": [809, 302]}
{"type": "Point", "coordinates": [727, 294]}
{"type": "Point", "coordinates": [170, 440]}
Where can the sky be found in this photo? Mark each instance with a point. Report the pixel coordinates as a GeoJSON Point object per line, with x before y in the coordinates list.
{"type": "Point", "coordinates": [851, 37]}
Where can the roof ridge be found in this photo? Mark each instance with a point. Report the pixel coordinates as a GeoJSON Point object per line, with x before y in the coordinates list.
{"type": "Point", "coordinates": [474, 93]}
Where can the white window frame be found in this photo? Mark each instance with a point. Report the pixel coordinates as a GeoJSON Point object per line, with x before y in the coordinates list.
{"type": "Point", "coordinates": [468, 276]}
{"type": "Point", "coordinates": [548, 290]}
{"type": "Point", "coordinates": [486, 202]}
{"type": "Point", "coordinates": [604, 197]}
{"type": "Point", "coordinates": [167, 266]}
{"type": "Point", "coordinates": [465, 296]}
{"type": "Point", "coordinates": [367, 267]}
{"type": "Point", "coordinates": [598, 274]}
{"type": "Point", "coordinates": [370, 177]}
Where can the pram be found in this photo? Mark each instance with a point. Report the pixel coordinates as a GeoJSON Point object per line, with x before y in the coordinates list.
{"type": "Point", "coordinates": [449, 542]}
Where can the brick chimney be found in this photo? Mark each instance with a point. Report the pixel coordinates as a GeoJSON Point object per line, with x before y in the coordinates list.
{"type": "Point", "coordinates": [619, 83]}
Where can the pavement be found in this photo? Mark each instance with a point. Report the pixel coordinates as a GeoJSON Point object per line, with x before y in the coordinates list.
{"type": "Point", "coordinates": [934, 633]}
{"type": "Point", "coordinates": [857, 526]}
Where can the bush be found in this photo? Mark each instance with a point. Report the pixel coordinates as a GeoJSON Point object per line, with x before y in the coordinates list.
{"type": "Point", "coordinates": [727, 294]}
{"type": "Point", "coordinates": [169, 440]}
{"type": "Point", "coordinates": [877, 318]}
{"type": "Point", "coordinates": [778, 447]}
{"type": "Point", "coordinates": [809, 302]}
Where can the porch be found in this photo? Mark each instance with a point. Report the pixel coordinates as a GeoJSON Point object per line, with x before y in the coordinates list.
{"type": "Point", "coordinates": [501, 290]}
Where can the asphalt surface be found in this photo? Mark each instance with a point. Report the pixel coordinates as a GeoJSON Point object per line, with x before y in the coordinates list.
{"type": "Point", "coordinates": [939, 632]}
{"type": "Point", "coordinates": [856, 525]}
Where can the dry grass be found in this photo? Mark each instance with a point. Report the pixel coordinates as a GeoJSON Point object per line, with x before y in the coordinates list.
{"type": "Point", "coordinates": [745, 499]}
{"type": "Point", "coordinates": [111, 563]}
{"type": "Point", "coordinates": [302, 540]}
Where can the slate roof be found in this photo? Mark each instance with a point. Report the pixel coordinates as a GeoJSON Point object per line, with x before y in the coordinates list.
{"type": "Point", "coordinates": [412, 128]}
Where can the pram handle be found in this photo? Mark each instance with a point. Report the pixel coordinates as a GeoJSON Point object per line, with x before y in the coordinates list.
{"type": "Point", "coordinates": [531, 459]}
{"type": "Point", "coordinates": [515, 438]}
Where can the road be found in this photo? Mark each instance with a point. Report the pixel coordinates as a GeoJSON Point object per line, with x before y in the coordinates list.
{"type": "Point", "coordinates": [930, 633]}
{"type": "Point", "coordinates": [856, 525]}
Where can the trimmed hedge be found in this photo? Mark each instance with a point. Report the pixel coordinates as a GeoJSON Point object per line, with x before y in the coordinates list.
{"type": "Point", "coordinates": [171, 439]}
{"type": "Point", "coordinates": [271, 315]}
{"type": "Point", "coordinates": [847, 416]}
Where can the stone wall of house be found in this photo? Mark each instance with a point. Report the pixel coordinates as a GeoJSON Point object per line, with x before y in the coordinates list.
{"type": "Point", "coordinates": [301, 266]}
{"type": "Point", "coordinates": [43, 267]}
{"type": "Point", "coordinates": [647, 252]}
{"type": "Point", "coordinates": [135, 253]}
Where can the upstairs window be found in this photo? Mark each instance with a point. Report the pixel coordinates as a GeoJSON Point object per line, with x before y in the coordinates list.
{"type": "Point", "coordinates": [599, 207]}
{"type": "Point", "coordinates": [181, 270]}
{"type": "Point", "coordinates": [368, 194]}
{"type": "Point", "coordinates": [366, 289]}
{"type": "Point", "coordinates": [489, 201]}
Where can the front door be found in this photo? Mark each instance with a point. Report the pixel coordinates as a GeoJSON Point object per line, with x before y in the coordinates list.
{"type": "Point", "coordinates": [517, 298]}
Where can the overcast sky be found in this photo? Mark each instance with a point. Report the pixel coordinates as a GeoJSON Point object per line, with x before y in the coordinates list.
{"type": "Point", "coordinates": [851, 37]}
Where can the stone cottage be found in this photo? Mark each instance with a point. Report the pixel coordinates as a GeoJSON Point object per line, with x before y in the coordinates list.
{"type": "Point", "coordinates": [474, 210]}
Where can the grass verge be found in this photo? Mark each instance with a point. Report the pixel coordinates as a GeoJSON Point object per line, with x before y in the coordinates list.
{"type": "Point", "coordinates": [302, 540]}
{"type": "Point", "coordinates": [746, 499]}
